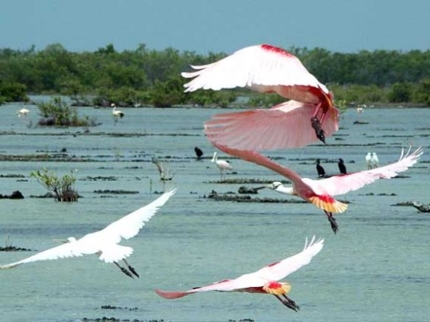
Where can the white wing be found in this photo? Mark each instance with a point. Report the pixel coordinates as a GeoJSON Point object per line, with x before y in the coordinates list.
{"type": "Point", "coordinates": [341, 184]}
{"type": "Point", "coordinates": [67, 250]}
{"type": "Point", "coordinates": [279, 270]}
{"type": "Point", "coordinates": [261, 68]}
{"type": "Point", "coordinates": [129, 226]}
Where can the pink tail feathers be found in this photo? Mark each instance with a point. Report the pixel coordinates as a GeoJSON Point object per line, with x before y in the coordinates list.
{"type": "Point", "coordinates": [171, 295]}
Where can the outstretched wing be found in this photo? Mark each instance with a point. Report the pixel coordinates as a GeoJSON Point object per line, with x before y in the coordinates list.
{"type": "Point", "coordinates": [129, 226]}
{"type": "Point", "coordinates": [286, 125]}
{"type": "Point", "coordinates": [341, 184]}
{"type": "Point", "coordinates": [63, 251]}
{"type": "Point", "coordinates": [260, 67]}
{"type": "Point", "coordinates": [272, 272]}
{"type": "Point", "coordinates": [283, 268]}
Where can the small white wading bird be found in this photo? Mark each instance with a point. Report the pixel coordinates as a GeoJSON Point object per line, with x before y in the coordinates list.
{"type": "Point", "coordinates": [372, 160]}
{"type": "Point", "coordinates": [116, 113]}
{"type": "Point", "coordinates": [320, 192]}
{"type": "Point", "coordinates": [104, 242]}
{"type": "Point", "coordinates": [263, 281]}
{"type": "Point", "coordinates": [22, 112]}
{"type": "Point", "coordinates": [222, 165]}
{"type": "Point", "coordinates": [309, 116]}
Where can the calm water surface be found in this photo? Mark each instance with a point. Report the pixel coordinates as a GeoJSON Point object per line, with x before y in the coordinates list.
{"type": "Point", "coordinates": [376, 269]}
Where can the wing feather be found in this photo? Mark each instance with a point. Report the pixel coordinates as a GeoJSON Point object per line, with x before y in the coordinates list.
{"type": "Point", "coordinates": [63, 251]}
{"type": "Point", "coordinates": [129, 226]}
{"type": "Point", "coordinates": [285, 125]}
{"type": "Point", "coordinates": [341, 184]}
{"type": "Point", "coordinates": [260, 67]}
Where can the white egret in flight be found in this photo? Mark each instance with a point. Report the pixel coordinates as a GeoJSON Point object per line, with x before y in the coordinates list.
{"type": "Point", "coordinates": [263, 281]}
{"type": "Point", "coordinates": [105, 242]}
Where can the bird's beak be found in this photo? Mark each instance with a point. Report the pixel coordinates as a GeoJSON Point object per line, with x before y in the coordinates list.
{"type": "Point", "coordinates": [259, 188]}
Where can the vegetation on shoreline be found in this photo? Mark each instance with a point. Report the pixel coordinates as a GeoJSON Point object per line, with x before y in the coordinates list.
{"type": "Point", "coordinates": [149, 77]}
{"type": "Point", "coordinates": [63, 188]}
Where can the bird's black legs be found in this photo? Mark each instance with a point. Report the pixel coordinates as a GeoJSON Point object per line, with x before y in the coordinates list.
{"type": "Point", "coordinates": [288, 302]}
{"type": "Point", "coordinates": [332, 221]}
{"type": "Point", "coordinates": [131, 269]}
{"type": "Point", "coordinates": [319, 132]}
{"type": "Point", "coordinates": [124, 270]}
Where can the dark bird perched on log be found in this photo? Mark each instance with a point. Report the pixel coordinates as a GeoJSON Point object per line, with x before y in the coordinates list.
{"type": "Point", "coordinates": [342, 166]}
{"type": "Point", "coordinates": [320, 169]}
{"type": "Point", "coordinates": [199, 153]}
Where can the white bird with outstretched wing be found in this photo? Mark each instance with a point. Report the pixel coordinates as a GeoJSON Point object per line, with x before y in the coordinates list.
{"type": "Point", "coordinates": [104, 242]}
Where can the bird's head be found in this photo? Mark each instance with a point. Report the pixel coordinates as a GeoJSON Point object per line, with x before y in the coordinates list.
{"type": "Point", "coordinates": [317, 161]}
{"type": "Point", "coordinates": [274, 185]}
{"type": "Point", "coordinates": [341, 160]}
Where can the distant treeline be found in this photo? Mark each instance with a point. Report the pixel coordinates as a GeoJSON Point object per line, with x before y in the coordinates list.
{"type": "Point", "coordinates": [144, 76]}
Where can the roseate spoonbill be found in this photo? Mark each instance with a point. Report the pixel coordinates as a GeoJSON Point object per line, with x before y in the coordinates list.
{"type": "Point", "coordinates": [320, 169]}
{"type": "Point", "coordinates": [222, 165]}
{"type": "Point", "coordinates": [199, 152]}
{"type": "Point", "coordinates": [372, 160]}
{"type": "Point", "coordinates": [342, 167]}
{"type": "Point", "coordinates": [265, 68]}
{"type": "Point", "coordinates": [105, 242]}
{"type": "Point", "coordinates": [263, 281]}
{"type": "Point", "coordinates": [22, 112]}
{"type": "Point", "coordinates": [116, 113]}
{"type": "Point", "coordinates": [320, 192]}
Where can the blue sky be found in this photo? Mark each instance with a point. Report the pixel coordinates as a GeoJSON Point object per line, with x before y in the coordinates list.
{"type": "Point", "coordinates": [216, 25]}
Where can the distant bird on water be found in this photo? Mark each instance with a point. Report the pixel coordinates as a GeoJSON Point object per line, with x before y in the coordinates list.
{"type": "Point", "coordinates": [105, 242]}
{"type": "Point", "coordinates": [320, 192]}
{"type": "Point", "coordinates": [372, 160]}
{"type": "Point", "coordinates": [222, 165]}
{"type": "Point", "coordinates": [342, 167]}
{"type": "Point", "coordinates": [22, 112]}
{"type": "Point", "coordinates": [116, 113]}
{"type": "Point", "coordinates": [199, 152]}
{"type": "Point", "coordinates": [310, 115]}
{"type": "Point", "coordinates": [320, 169]}
{"type": "Point", "coordinates": [263, 281]}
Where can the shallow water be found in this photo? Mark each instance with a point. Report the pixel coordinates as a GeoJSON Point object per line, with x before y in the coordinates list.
{"type": "Point", "coordinates": [376, 269]}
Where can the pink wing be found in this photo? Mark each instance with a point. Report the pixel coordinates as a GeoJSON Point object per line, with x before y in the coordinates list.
{"type": "Point", "coordinates": [286, 125]}
{"type": "Point", "coordinates": [341, 184]}
{"type": "Point", "coordinates": [272, 272]}
{"type": "Point", "coordinates": [263, 68]}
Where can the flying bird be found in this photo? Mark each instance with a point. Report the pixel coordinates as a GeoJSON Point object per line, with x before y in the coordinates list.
{"type": "Point", "coordinates": [222, 165]}
{"type": "Point", "coordinates": [22, 112]}
{"type": "Point", "coordinates": [342, 167]}
{"type": "Point", "coordinates": [320, 169]}
{"type": "Point", "coordinates": [320, 192]}
{"type": "Point", "coordinates": [372, 160]}
{"type": "Point", "coordinates": [116, 113]}
{"type": "Point", "coordinates": [105, 242]}
{"type": "Point", "coordinates": [309, 116]}
{"type": "Point", "coordinates": [263, 281]}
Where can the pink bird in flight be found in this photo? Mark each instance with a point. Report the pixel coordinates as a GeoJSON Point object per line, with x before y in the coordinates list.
{"type": "Point", "coordinates": [308, 116]}
{"type": "Point", "coordinates": [320, 192]}
{"type": "Point", "coordinates": [263, 281]}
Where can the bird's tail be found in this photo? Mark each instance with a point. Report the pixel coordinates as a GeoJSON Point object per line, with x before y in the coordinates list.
{"type": "Point", "coordinates": [328, 204]}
